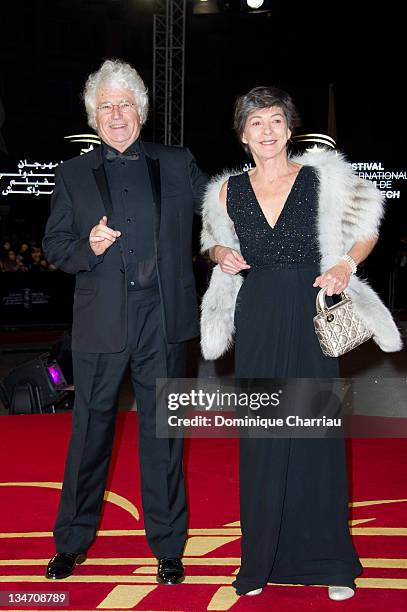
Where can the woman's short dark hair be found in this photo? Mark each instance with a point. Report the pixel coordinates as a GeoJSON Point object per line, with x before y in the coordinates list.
{"type": "Point", "coordinates": [264, 97]}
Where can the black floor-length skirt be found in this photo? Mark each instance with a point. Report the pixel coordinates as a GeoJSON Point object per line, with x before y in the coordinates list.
{"type": "Point", "coordinates": [293, 491]}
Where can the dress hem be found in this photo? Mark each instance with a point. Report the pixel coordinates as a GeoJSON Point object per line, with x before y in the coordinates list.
{"type": "Point", "coordinates": [318, 580]}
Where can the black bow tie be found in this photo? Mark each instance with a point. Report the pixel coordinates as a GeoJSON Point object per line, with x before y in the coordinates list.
{"type": "Point", "coordinates": [111, 155]}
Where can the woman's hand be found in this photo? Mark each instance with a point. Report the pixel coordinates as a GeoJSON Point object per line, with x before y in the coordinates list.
{"type": "Point", "coordinates": [230, 261]}
{"type": "Point", "coordinates": [336, 278]}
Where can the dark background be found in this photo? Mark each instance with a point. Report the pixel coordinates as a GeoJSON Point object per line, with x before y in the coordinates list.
{"type": "Point", "coordinates": [48, 48]}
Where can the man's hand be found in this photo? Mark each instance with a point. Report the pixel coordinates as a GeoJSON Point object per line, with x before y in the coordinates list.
{"type": "Point", "coordinates": [336, 278]}
{"type": "Point", "coordinates": [101, 237]}
{"type": "Point", "coordinates": [230, 261]}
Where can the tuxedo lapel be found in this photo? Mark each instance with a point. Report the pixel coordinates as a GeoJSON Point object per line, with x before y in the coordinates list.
{"type": "Point", "coordinates": [101, 181]}
{"type": "Point", "coordinates": [153, 165]}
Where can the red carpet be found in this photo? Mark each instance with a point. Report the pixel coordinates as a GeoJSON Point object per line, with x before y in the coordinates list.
{"type": "Point", "coordinates": [119, 574]}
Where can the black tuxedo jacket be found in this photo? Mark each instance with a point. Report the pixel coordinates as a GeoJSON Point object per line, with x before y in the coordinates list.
{"type": "Point", "coordinates": [80, 198]}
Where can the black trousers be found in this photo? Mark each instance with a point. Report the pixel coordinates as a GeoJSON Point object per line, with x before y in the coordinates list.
{"type": "Point", "coordinates": [97, 378]}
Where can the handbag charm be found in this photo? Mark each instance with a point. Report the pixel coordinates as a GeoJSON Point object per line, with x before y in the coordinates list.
{"type": "Point", "coordinates": [338, 328]}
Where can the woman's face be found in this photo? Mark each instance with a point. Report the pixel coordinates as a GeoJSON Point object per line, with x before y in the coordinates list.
{"type": "Point", "coordinates": [266, 132]}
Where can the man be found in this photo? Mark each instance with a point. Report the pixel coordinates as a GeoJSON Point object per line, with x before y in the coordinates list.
{"type": "Point", "coordinates": [121, 220]}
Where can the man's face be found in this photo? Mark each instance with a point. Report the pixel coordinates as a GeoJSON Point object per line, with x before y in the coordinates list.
{"type": "Point", "coordinates": [117, 129]}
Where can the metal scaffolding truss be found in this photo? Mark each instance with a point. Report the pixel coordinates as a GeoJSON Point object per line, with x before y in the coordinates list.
{"type": "Point", "coordinates": [168, 71]}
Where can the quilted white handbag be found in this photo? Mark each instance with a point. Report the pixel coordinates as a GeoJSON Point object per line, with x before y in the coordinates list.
{"type": "Point", "coordinates": [338, 328]}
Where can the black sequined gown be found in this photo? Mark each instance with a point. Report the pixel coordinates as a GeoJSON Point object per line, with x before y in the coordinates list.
{"type": "Point", "coordinates": [293, 492]}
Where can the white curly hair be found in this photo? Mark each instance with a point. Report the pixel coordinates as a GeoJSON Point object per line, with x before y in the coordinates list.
{"type": "Point", "coordinates": [115, 74]}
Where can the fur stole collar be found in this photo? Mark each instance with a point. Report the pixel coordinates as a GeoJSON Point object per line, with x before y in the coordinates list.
{"type": "Point", "coordinates": [350, 209]}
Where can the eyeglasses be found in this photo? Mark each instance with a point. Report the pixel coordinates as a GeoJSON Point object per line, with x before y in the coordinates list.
{"type": "Point", "coordinates": [107, 107]}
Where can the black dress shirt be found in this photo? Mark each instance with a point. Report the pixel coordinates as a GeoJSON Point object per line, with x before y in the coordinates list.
{"type": "Point", "coordinates": [132, 199]}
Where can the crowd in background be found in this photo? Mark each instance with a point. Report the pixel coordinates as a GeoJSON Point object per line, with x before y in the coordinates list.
{"type": "Point", "coordinates": [23, 257]}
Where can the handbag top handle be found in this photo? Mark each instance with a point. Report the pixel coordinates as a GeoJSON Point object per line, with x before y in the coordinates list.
{"type": "Point", "coordinates": [320, 303]}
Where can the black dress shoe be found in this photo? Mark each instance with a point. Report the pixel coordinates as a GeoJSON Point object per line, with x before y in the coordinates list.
{"type": "Point", "coordinates": [170, 571]}
{"type": "Point", "coordinates": [62, 565]}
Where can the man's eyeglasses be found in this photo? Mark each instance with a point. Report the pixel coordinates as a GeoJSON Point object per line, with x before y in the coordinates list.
{"type": "Point", "coordinates": [107, 107]}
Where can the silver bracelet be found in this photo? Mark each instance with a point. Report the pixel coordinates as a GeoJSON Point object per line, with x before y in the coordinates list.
{"type": "Point", "coordinates": [351, 262]}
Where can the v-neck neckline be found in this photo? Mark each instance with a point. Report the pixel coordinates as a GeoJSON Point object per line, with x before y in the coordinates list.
{"type": "Point", "coordinates": [273, 227]}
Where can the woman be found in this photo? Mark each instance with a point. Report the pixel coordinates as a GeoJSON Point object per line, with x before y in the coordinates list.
{"type": "Point", "coordinates": [294, 225]}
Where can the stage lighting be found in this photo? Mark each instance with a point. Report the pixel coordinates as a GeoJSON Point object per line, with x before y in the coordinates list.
{"type": "Point", "coordinates": [36, 386]}
{"type": "Point", "coordinates": [254, 4]}
{"type": "Point", "coordinates": [256, 7]}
